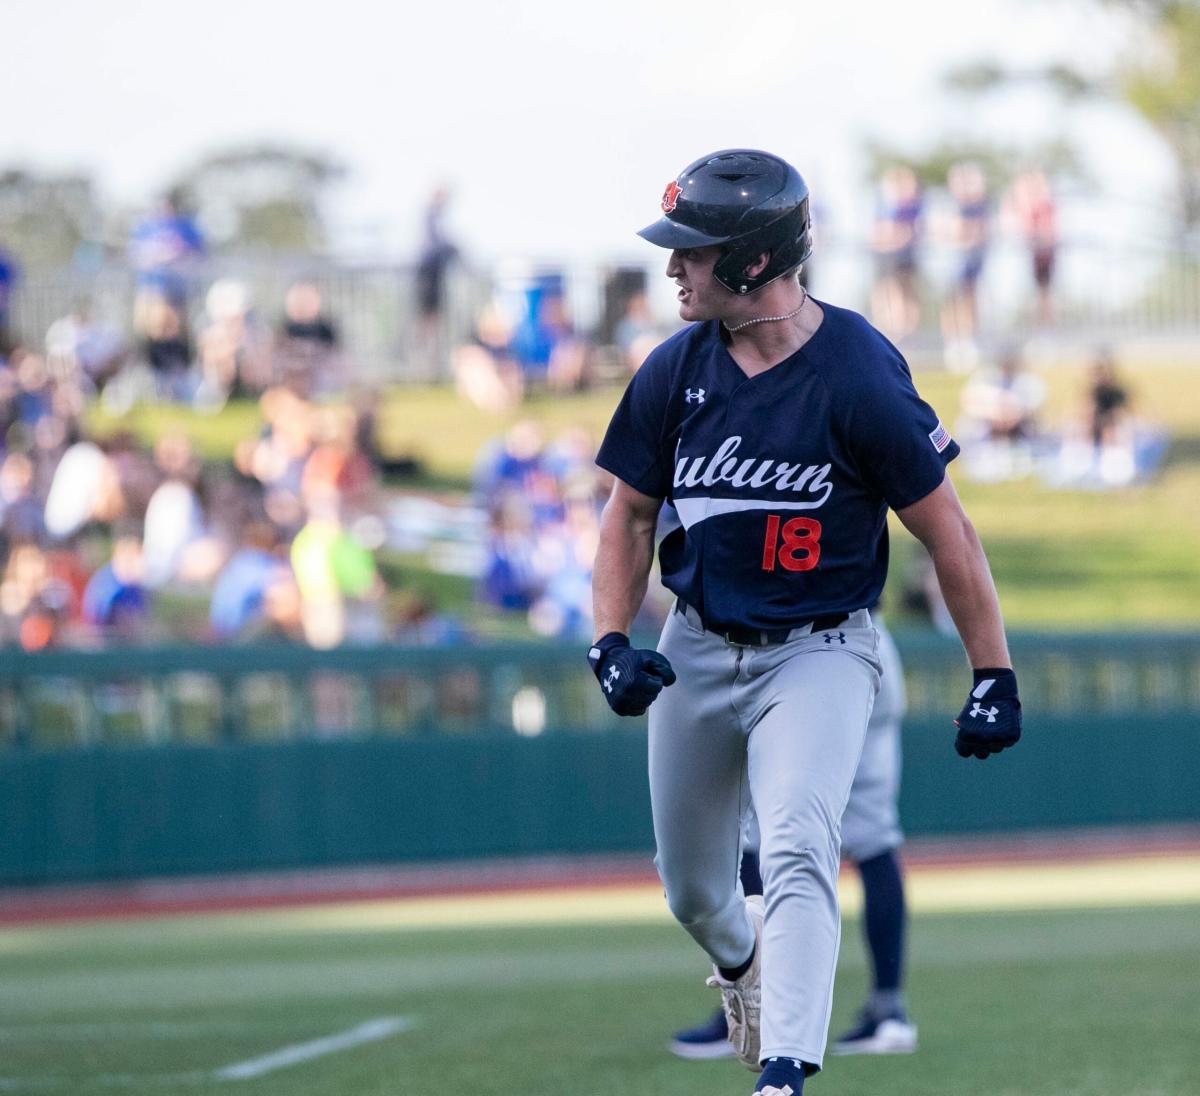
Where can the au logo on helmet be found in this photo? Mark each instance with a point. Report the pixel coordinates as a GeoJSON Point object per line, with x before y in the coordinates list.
{"type": "Point", "coordinates": [671, 196]}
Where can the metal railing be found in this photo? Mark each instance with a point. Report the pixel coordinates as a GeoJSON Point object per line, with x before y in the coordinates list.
{"type": "Point", "coordinates": [209, 695]}
{"type": "Point", "coordinates": [1103, 291]}
{"type": "Point", "coordinates": [374, 307]}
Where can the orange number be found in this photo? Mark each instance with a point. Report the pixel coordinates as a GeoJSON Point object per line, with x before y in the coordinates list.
{"type": "Point", "coordinates": [800, 549]}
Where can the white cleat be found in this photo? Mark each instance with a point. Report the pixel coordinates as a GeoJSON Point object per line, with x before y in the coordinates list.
{"type": "Point", "coordinates": [894, 1036]}
{"type": "Point", "coordinates": [742, 1000]}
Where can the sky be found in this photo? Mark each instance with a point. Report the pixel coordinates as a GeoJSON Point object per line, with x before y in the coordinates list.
{"type": "Point", "coordinates": [556, 124]}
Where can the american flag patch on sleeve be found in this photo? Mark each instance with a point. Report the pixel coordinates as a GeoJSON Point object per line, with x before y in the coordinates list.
{"type": "Point", "coordinates": [940, 436]}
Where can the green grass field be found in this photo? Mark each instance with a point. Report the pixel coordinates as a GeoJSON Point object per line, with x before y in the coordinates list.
{"type": "Point", "coordinates": [1066, 1003]}
{"type": "Point", "coordinates": [1063, 560]}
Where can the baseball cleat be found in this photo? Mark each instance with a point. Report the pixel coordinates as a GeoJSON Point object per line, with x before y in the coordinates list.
{"type": "Point", "coordinates": [707, 1040]}
{"type": "Point", "coordinates": [742, 999]}
{"type": "Point", "coordinates": [893, 1035]}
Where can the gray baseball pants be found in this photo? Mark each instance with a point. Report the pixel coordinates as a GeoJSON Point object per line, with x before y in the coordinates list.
{"type": "Point", "coordinates": [871, 820]}
{"type": "Point", "coordinates": [783, 727]}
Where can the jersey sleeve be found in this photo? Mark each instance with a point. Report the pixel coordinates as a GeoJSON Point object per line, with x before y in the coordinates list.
{"type": "Point", "coordinates": [900, 444]}
{"type": "Point", "coordinates": [634, 444]}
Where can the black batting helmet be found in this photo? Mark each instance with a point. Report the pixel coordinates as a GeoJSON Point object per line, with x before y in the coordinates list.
{"type": "Point", "coordinates": [747, 201]}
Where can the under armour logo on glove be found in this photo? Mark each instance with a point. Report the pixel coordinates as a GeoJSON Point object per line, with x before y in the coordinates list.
{"type": "Point", "coordinates": [631, 679]}
{"type": "Point", "coordinates": [985, 731]}
{"type": "Point", "coordinates": [839, 636]}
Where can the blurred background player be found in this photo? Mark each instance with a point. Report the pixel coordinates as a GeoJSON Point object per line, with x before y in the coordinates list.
{"type": "Point", "coordinates": [1031, 202]}
{"type": "Point", "coordinates": [895, 306]}
{"type": "Point", "coordinates": [871, 836]}
{"type": "Point", "coordinates": [969, 232]}
{"type": "Point", "coordinates": [437, 254]}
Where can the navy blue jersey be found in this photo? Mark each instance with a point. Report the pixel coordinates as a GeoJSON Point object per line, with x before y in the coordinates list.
{"type": "Point", "coordinates": [782, 481]}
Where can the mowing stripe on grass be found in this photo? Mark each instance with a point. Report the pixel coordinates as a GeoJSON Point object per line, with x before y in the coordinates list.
{"type": "Point", "coordinates": [26, 1085]}
{"type": "Point", "coordinates": [1092, 884]}
{"type": "Point", "coordinates": [129, 1029]}
{"type": "Point", "coordinates": [372, 1031]}
{"type": "Point", "coordinates": [1100, 884]}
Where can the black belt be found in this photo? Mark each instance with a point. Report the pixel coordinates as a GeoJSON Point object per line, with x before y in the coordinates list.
{"type": "Point", "coordinates": [764, 637]}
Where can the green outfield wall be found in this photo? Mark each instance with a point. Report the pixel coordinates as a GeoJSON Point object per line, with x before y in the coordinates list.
{"type": "Point", "coordinates": [88, 802]}
{"type": "Point", "coordinates": [102, 814]}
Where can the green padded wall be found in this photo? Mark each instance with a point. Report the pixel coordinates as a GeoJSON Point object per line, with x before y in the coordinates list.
{"type": "Point", "coordinates": [119, 813]}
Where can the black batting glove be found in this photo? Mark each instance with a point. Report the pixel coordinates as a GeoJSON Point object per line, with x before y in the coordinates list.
{"type": "Point", "coordinates": [991, 718]}
{"type": "Point", "coordinates": [630, 679]}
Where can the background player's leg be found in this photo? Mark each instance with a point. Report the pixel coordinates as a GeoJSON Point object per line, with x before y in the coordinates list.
{"type": "Point", "coordinates": [750, 873]}
{"type": "Point", "coordinates": [698, 792]}
{"type": "Point", "coordinates": [883, 925]}
{"type": "Point", "coordinates": [870, 836]}
{"type": "Point", "coordinates": [809, 702]}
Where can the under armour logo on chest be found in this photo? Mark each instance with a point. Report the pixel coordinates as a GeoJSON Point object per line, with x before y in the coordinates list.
{"type": "Point", "coordinates": [694, 395]}
{"type": "Point", "coordinates": [840, 637]}
{"type": "Point", "coordinates": [610, 678]}
{"type": "Point", "coordinates": [978, 710]}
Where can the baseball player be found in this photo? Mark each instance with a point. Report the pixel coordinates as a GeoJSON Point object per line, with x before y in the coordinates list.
{"type": "Point", "coordinates": [870, 837]}
{"type": "Point", "coordinates": [781, 429]}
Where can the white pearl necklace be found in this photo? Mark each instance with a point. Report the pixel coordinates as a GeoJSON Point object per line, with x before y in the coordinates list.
{"type": "Point", "coordinates": [770, 319]}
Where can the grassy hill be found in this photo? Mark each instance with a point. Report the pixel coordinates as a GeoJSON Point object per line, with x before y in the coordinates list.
{"type": "Point", "coordinates": [1062, 559]}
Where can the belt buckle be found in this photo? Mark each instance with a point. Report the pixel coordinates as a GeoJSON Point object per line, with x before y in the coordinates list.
{"type": "Point", "coordinates": [728, 637]}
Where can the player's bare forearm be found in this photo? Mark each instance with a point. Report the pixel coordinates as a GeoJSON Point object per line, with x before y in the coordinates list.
{"type": "Point", "coordinates": [963, 574]}
{"type": "Point", "coordinates": [970, 594]}
{"type": "Point", "coordinates": [623, 558]}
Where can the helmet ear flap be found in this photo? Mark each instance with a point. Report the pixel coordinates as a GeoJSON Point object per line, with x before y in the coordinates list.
{"type": "Point", "coordinates": [733, 268]}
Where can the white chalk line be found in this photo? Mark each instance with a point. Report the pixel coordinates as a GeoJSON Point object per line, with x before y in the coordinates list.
{"type": "Point", "coordinates": [382, 1027]}
{"type": "Point", "coordinates": [372, 1031]}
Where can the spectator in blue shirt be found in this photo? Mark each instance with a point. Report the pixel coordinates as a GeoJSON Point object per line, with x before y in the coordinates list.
{"type": "Point", "coordinates": [8, 278]}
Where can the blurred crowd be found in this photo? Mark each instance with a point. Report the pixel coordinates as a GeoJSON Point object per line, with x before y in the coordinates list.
{"type": "Point", "coordinates": [107, 539]}
{"type": "Point", "coordinates": [524, 339]}
{"type": "Point", "coordinates": [963, 220]}
{"type": "Point", "coordinates": [172, 349]}
{"type": "Point", "coordinates": [97, 534]}
{"type": "Point", "coordinates": [1101, 442]}
{"type": "Point", "coordinates": [543, 524]}
{"type": "Point", "coordinates": [104, 538]}
{"type": "Point", "coordinates": [543, 503]}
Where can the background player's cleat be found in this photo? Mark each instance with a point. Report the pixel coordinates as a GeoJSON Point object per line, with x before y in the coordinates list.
{"type": "Point", "coordinates": [742, 1000]}
{"type": "Point", "coordinates": [891, 1035]}
{"type": "Point", "coordinates": [708, 1040]}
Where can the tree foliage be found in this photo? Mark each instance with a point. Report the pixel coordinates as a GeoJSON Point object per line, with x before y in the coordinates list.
{"type": "Point", "coordinates": [1164, 88]}
{"type": "Point", "coordinates": [1000, 163]}
{"type": "Point", "coordinates": [980, 77]}
{"type": "Point", "coordinates": [1158, 78]}
{"type": "Point", "coordinates": [261, 196]}
{"type": "Point", "coordinates": [44, 218]}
